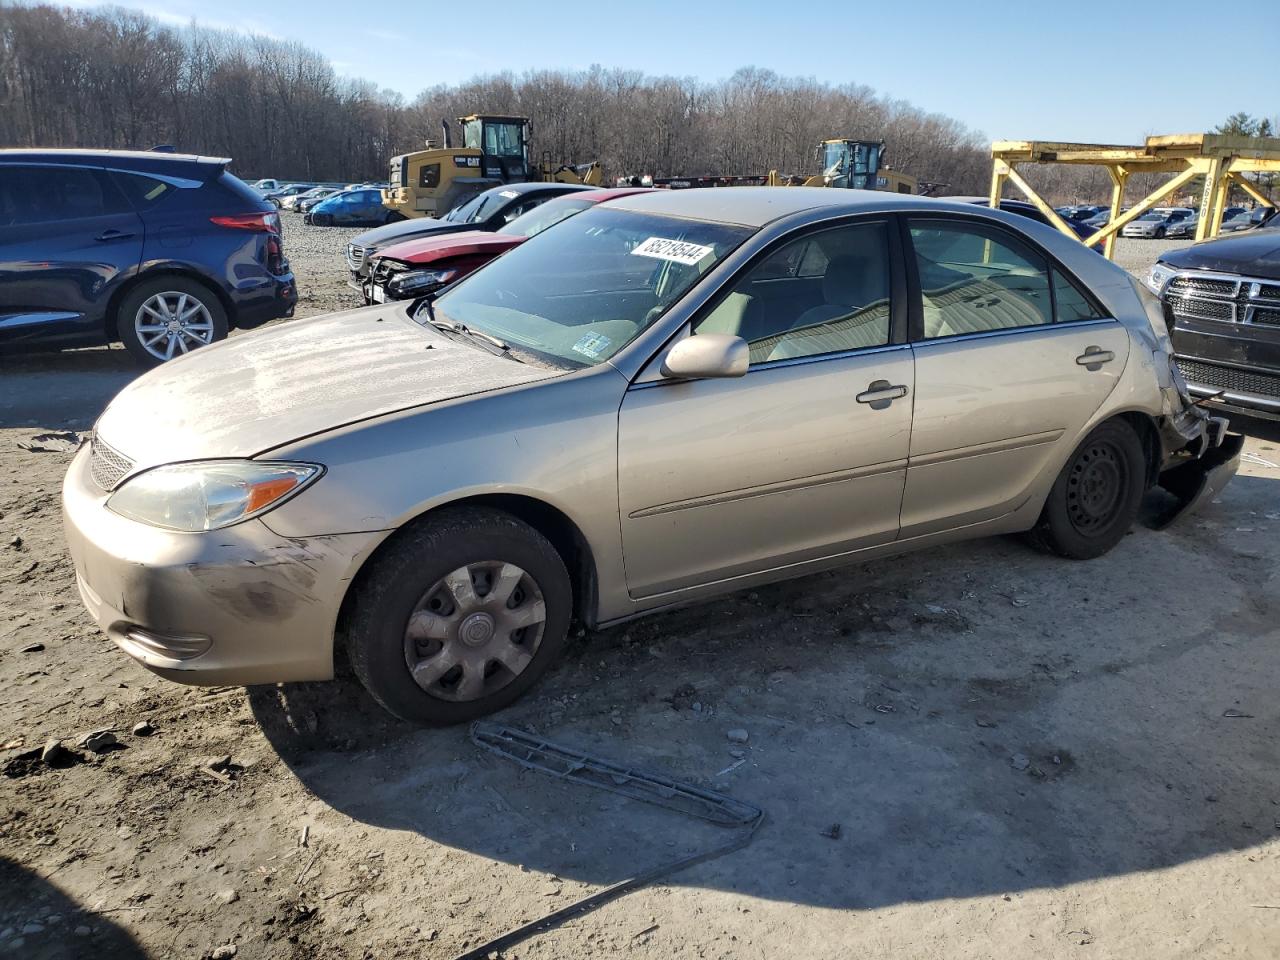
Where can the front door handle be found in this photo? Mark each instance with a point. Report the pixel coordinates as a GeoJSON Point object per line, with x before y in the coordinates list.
{"type": "Point", "coordinates": [108, 235]}
{"type": "Point", "coordinates": [1094, 357]}
{"type": "Point", "coordinates": [880, 393]}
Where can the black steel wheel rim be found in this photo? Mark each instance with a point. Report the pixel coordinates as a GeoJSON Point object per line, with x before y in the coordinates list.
{"type": "Point", "coordinates": [1096, 485]}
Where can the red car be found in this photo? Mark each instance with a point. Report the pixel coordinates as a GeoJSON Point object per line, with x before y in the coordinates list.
{"type": "Point", "coordinates": [418, 267]}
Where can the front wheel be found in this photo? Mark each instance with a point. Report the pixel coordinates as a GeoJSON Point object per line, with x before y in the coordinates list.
{"type": "Point", "coordinates": [164, 318]}
{"type": "Point", "coordinates": [1160, 233]}
{"type": "Point", "coordinates": [459, 616]}
{"type": "Point", "coordinates": [1097, 495]}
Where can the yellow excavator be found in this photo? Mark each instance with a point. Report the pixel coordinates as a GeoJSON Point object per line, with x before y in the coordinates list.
{"type": "Point", "coordinates": [494, 151]}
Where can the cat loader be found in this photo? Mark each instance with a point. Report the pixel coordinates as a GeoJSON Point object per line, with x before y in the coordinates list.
{"type": "Point", "coordinates": [494, 151]}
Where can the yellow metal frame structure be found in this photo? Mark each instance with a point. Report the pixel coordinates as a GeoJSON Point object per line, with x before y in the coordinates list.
{"type": "Point", "coordinates": [1222, 162]}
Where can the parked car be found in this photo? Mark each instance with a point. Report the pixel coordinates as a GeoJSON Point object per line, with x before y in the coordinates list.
{"type": "Point", "coordinates": [305, 202]}
{"type": "Point", "coordinates": [358, 208]}
{"type": "Point", "coordinates": [163, 252]}
{"type": "Point", "coordinates": [1079, 212]}
{"type": "Point", "coordinates": [413, 268]}
{"type": "Point", "coordinates": [486, 211]}
{"type": "Point", "coordinates": [277, 197]}
{"type": "Point", "coordinates": [1224, 300]}
{"type": "Point", "coordinates": [314, 193]}
{"type": "Point", "coordinates": [674, 378]}
{"type": "Point", "coordinates": [1242, 220]}
{"type": "Point", "coordinates": [1180, 229]}
{"type": "Point", "coordinates": [1029, 210]}
{"type": "Point", "coordinates": [265, 185]}
{"type": "Point", "coordinates": [1262, 215]}
{"type": "Point", "coordinates": [1155, 225]}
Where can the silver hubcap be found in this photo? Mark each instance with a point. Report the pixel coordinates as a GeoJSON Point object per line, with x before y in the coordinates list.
{"type": "Point", "coordinates": [474, 631]}
{"type": "Point", "coordinates": [171, 323]}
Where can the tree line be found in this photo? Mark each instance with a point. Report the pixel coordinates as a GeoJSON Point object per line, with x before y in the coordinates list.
{"type": "Point", "coordinates": [109, 77]}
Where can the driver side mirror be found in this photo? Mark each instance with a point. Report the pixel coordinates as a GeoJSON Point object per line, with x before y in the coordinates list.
{"type": "Point", "coordinates": [707, 356]}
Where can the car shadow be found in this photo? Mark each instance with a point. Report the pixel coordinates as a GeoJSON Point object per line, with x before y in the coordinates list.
{"type": "Point", "coordinates": [962, 721]}
{"type": "Point", "coordinates": [61, 389]}
{"type": "Point", "coordinates": [40, 922]}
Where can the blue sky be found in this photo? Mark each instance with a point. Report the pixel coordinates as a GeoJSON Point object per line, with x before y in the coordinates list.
{"type": "Point", "coordinates": [1083, 70]}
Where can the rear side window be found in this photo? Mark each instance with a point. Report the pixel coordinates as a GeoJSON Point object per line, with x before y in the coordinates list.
{"type": "Point", "coordinates": [143, 192]}
{"type": "Point", "coordinates": [44, 194]}
{"type": "Point", "coordinates": [975, 279]}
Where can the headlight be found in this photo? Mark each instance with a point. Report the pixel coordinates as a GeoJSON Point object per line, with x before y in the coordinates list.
{"type": "Point", "coordinates": [414, 283]}
{"type": "Point", "coordinates": [1159, 276]}
{"type": "Point", "coordinates": [209, 494]}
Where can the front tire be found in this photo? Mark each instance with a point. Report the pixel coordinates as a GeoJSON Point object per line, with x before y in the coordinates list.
{"type": "Point", "coordinates": [164, 318]}
{"type": "Point", "coordinates": [459, 617]}
{"type": "Point", "coordinates": [1097, 495]}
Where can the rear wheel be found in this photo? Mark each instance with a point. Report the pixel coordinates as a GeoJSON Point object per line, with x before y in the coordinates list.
{"type": "Point", "coordinates": [164, 318]}
{"type": "Point", "coordinates": [459, 617]}
{"type": "Point", "coordinates": [1096, 497]}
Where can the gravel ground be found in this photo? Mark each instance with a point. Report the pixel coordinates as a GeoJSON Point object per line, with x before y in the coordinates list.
{"type": "Point", "coordinates": [969, 752]}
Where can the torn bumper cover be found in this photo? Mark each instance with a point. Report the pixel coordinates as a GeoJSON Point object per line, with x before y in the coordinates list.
{"type": "Point", "coordinates": [1199, 455]}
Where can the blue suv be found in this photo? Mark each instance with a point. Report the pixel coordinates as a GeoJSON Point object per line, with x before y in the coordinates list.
{"type": "Point", "coordinates": [163, 252]}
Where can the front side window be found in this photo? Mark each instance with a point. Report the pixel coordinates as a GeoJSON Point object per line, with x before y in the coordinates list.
{"type": "Point", "coordinates": [823, 293]}
{"type": "Point", "coordinates": [975, 279]}
{"type": "Point", "coordinates": [576, 295]}
{"type": "Point", "coordinates": [429, 176]}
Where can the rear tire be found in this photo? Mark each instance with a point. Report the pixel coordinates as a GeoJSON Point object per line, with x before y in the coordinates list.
{"type": "Point", "coordinates": [473, 603]}
{"type": "Point", "coordinates": [1096, 497]}
{"type": "Point", "coordinates": [144, 316]}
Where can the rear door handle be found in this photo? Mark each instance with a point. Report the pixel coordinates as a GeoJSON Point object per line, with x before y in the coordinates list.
{"type": "Point", "coordinates": [1094, 357]}
{"type": "Point", "coordinates": [108, 235]}
{"type": "Point", "coordinates": [880, 393]}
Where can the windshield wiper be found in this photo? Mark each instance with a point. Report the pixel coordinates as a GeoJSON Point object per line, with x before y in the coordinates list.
{"type": "Point", "coordinates": [462, 330]}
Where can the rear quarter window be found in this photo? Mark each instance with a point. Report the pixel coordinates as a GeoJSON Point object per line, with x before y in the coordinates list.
{"type": "Point", "coordinates": [143, 192]}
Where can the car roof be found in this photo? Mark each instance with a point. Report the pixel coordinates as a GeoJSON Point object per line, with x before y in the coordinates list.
{"type": "Point", "coordinates": [757, 206]}
{"type": "Point", "coordinates": [144, 161]}
{"type": "Point", "coordinates": [611, 193]}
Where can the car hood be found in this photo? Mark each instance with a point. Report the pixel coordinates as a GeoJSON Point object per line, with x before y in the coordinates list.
{"type": "Point", "coordinates": [255, 392]}
{"type": "Point", "coordinates": [406, 230]}
{"type": "Point", "coordinates": [423, 250]}
{"type": "Point", "coordinates": [1257, 254]}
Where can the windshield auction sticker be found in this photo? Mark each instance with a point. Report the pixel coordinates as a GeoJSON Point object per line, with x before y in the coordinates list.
{"type": "Point", "coordinates": [677, 251]}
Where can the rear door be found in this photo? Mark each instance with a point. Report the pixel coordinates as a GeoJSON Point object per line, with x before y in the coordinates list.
{"type": "Point", "coordinates": [68, 237]}
{"type": "Point", "coordinates": [1012, 358]}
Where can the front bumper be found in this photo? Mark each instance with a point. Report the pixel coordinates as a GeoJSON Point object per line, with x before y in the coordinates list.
{"type": "Point", "coordinates": [240, 605]}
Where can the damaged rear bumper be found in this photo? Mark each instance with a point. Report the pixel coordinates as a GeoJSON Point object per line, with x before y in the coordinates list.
{"type": "Point", "coordinates": [1200, 457]}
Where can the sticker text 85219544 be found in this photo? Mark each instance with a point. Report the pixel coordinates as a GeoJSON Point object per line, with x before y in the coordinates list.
{"type": "Point", "coordinates": [677, 251]}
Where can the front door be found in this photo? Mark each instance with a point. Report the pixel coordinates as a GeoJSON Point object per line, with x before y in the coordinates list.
{"type": "Point", "coordinates": [1012, 360]}
{"type": "Point", "coordinates": [802, 458]}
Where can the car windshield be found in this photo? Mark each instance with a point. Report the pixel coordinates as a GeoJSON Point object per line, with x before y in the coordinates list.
{"type": "Point", "coordinates": [480, 207]}
{"type": "Point", "coordinates": [545, 215]}
{"type": "Point", "coordinates": [576, 295]}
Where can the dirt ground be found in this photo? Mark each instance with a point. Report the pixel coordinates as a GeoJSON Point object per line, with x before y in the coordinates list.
{"type": "Point", "coordinates": [971, 752]}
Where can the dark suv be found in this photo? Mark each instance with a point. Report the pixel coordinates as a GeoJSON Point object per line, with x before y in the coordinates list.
{"type": "Point", "coordinates": [163, 252]}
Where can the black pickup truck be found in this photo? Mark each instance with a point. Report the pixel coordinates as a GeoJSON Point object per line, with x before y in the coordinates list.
{"type": "Point", "coordinates": [1223, 300]}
